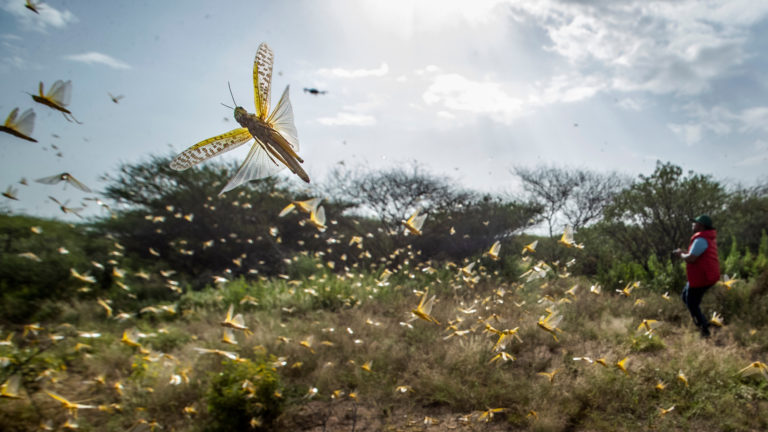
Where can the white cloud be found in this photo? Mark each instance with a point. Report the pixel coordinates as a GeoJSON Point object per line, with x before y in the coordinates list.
{"type": "Point", "coordinates": [355, 73]}
{"type": "Point", "coordinates": [567, 88]}
{"type": "Point", "coordinates": [98, 58]}
{"type": "Point", "coordinates": [371, 102]}
{"type": "Point", "coordinates": [661, 47]}
{"type": "Point", "coordinates": [15, 62]}
{"type": "Point", "coordinates": [759, 157]}
{"type": "Point", "coordinates": [755, 118]}
{"type": "Point", "coordinates": [505, 101]}
{"type": "Point", "coordinates": [457, 93]}
{"type": "Point", "coordinates": [631, 104]}
{"type": "Point", "coordinates": [348, 119]}
{"type": "Point", "coordinates": [690, 133]}
{"type": "Point", "coordinates": [718, 120]}
{"type": "Point", "coordinates": [48, 16]}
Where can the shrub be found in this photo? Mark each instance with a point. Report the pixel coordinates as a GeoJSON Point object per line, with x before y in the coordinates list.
{"type": "Point", "coordinates": [234, 404]}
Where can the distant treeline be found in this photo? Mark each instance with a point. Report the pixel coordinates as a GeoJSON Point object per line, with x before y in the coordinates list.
{"type": "Point", "coordinates": [175, 223]}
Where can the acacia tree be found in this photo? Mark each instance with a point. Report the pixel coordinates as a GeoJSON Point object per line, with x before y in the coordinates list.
{"type": "Point", "coordinates": [390, 194]}
{"type": "Point", "coordinates": [460, 223]}
{"type": "Point", "coordinates": [746, 216]}
{"type": "Point", "coordinates": [652, 216]}
{"type": "Point", "coordinates": [190, 228]}
{"type": "Point", "coordinates": [471, 230]}
{"type": "Point", "coordinates": [577, 196]}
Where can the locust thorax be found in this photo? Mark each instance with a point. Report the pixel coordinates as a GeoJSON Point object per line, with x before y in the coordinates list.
{"type": "Point", "coordinates": [241, 115]}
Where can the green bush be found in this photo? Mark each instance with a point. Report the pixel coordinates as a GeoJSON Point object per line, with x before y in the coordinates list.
{"type": "Point", "coordinates": [732, 263]}
{"type": "Point", "coordinates": [27, 281]}
{"type": "Point", "coordinates": [236, 405]}
{"type": "Point", "coordinates": [664, 275]}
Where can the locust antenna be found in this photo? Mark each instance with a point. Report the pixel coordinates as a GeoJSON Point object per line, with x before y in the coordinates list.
{"type": "Point", "coordinates": [230, 93]}
{"type": "Point", "coordinates": [226, 105]}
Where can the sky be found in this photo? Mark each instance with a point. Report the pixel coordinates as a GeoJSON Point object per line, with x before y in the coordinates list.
{"type": "Point", "coordinates": [467, 90]}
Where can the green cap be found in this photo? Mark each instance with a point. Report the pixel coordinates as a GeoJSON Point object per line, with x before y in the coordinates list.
{"type": "Point", "coordinates": [704, 220]}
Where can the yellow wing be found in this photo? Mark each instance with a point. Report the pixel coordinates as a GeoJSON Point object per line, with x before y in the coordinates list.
{"type": "Point", "coordinates": [211, 147]}
{"type": "Point", "coordinates": [567, 237]}
{"type": "Point", "coordinates": [262, 79]}
{"type": "Point", "coordinates": [289, 208]}
{"type": "Point", "coordinates": [63, 401]}
{"type": "Point", "coordinates": [317, 218]}
{"type": "Point", "coordinates": [308, 206]}
{"type": "Point", "coordinates": [755, 368]}
{"type": "Point", "coordinates": [495, 249]}
{"type": "Point", "coordinates": [11, 119]}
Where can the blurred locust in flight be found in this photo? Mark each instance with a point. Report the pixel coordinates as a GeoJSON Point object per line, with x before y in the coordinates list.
{"type": "Point", "coordinates": [276, 139]}
{"type": "Point", "coordinates": [21, 127]}
{"type": "Point", "coordinates": [115, 99]}
{"type": "Point", "coordinates": [32, 6]}
{"type": "Point", "coordinates": [58, 97]}
{"type": "Point", "coordinates": [64, 177]}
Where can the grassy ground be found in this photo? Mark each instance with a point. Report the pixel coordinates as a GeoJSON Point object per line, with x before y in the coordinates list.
{"type": "Point", "coordinates": [345, 353]}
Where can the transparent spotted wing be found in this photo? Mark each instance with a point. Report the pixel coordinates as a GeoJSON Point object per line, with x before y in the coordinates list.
{"type": "Point", "coordinates": [262, 79]}
{"type": "Point", "coordinates": [211, 147]}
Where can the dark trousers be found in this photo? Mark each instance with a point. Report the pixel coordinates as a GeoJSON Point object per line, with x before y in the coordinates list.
{"type": "Point", "coordinates": [692, 299]}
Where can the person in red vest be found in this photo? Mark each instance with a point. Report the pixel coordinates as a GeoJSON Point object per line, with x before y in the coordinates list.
{"type": "Point", "coordinates": [702, 267]}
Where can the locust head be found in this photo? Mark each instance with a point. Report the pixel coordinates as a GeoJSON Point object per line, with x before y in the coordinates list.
{"type": "Point", "coordinates": [241, 115]}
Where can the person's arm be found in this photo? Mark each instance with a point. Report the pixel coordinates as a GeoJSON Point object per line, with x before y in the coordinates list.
{"type": "Point", "coordinates": [697, 248]}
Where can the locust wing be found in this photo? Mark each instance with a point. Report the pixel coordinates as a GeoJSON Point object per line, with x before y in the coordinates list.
{"type": "Point", "coordinates": [11, 119]}
{"type": "Point", "coordinates": [10, 389]}
{"type": "Point", "coordinates": [60, 93]}
{"type": "Point", "coordinates": [50, 180]}
{"type": "Point", "coordinates": [25, 123]}
{"type": "Point", "coordinates": [567, 236]}
{"type": "Point", "coordinates": [418, 221]}
{"type": "Point", "coordinates": [262, 79]}
{"type": "Point", "coordinates": [209, 148]}
{"type": "Point", "coordinates": [21, 127]}
{"type": "Point", "coordinates": [77, 183]}
{"type": "Point", "coordinates": [282, 120]}
{"type": "Point", "coordinates": [258, 164]}
{"type": "Point", "coordinates": [64, 177]}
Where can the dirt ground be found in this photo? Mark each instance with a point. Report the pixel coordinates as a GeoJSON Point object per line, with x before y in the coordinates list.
{"type": "Point", "coordinates": [350, 416]}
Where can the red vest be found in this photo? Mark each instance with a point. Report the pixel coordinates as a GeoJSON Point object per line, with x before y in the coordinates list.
{"type": "Point", "coordinates": [705, 271]}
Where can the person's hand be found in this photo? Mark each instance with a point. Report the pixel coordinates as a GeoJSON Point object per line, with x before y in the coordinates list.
{"type": "Point", "coordinates": [677, 251]}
